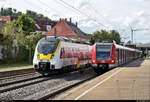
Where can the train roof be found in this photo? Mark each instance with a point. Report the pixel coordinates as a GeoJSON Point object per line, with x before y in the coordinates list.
{"type": "Point", "coordinates": [123, 47]}
{"type": "Point", "coordinates": [119, 46]}
{"type": "Point", "coordinates": [126, 48]}
{"type": "Point", "coordinates": [65, 39]}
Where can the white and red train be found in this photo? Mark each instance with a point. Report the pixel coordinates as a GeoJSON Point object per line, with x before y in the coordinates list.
{"type": "Point", "coordinates": [107, 55]}
{"type": "Point", "coordinates": [53, 54]}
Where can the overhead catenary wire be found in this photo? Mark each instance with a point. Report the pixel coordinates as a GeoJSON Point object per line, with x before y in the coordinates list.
{"type": "Point", "coordinates": [97, 12]}
{"type": "Point", "coordinates": [46, 5]}
{"type": "Point", "coordinates": [83, 13]}
{"type": "Point", "coordinates": [114, 26]}
{"type": "Point", "coordinates": [28, 2]}
{"type": "Point", "coordinates": [62, 4]}
{"type": "Point", "coordinates": [75, 9]}
{"type": "Point", "coordinates": [40, 8]}
{"type": "Point", "coordinates": [89, 16]}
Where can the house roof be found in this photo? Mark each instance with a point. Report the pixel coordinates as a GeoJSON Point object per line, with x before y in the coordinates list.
{"type": "Point", "coordinates": [68, 29]}
{"type": "Point", "coordinates": [40, 24]}
{"type": "Point", "coordinates": [77, 31]}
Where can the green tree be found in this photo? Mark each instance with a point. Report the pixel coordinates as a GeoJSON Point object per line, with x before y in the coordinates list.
{"type": "Point", "coordinates": [115, 36]}
{"type": "Point", "coordinates": [8, 36]}
{"type": "Point", "coordinates": [25, 23]}
{"type": "Point", "coordinates": [99, 36]}
{"type": "Point", "coordinates": [31, 42]}
{"type": "Point", "coordinates": [9, 32]}
{"type": "Point", "coordinates": [14, 12]}
{"type": "Point", "coordinates": [28, 42]}
{"type": "Point", "coordinates": [35, 15]}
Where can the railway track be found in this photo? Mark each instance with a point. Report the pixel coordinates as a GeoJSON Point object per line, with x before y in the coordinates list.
{"type": "Point", "coordinates": [16, 76]}
{"type": "Point", "coordinates": [57, 83]}
{"type": "Point", "coordinates": [16, 73]}
{"type": "Point", "coordinates": [21, 83]}
{"type": "Point", "coordinates": [61, 90]}
{"type": "Point", "coordinates": [34, 79]}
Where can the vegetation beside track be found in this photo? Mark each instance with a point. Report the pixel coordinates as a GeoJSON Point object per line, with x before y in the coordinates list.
{"type": "Point", "coordinates": [8, 67]}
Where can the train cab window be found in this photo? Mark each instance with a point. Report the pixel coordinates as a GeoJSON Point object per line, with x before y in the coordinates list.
{"type": "Point", "coordinates": [47, 46]}
{"type": "Point", "coordinates": [103, 52]}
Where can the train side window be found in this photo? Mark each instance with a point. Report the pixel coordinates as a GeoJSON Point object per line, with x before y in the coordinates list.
{"type": "Point", "coordinates": [118, 56]}
{"type": "Point", "coordinates": [62, 54]}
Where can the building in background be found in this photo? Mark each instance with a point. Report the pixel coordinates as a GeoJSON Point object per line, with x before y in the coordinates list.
{"type": "Point", "coordinates": [145, 48]}
{"type": "Point", "coordinates": [41, 25]}
{"type": "Point", "coordinates": [68, 29]}
{"type": "Point", "coordinates": [2, 25]}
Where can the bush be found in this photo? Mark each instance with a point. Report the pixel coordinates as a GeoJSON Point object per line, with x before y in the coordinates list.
{"type": "Point", "coordinates": [81, 69]}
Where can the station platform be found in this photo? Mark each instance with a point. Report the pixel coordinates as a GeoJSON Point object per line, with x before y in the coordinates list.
{"type": "Point", "coordinates": [130, 82]}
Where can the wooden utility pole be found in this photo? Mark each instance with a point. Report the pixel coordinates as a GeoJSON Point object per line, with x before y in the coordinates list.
{"type": "Point", "coordinates": [55, 32]}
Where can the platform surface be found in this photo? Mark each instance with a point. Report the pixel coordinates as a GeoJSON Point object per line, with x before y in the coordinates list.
{"type": "Point", "coordinates": [131, 82]}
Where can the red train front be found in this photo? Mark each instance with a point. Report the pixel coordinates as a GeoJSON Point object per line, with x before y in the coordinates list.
{"type": "Point", "coordinates": [108, 54]}
{"type": "Point", "coordinates": [103, 54]}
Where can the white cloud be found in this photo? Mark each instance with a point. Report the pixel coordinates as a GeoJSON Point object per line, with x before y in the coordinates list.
{"type": "Point", "coordinates": [55, 16]}
{"type": "Point", "coordinates": [2, 0]}
{"type": "Point", "coordinates": [140, 13]}
{"type": "Point", "coordinates": [88, 24]}
{"type": "Point", "coordinates": [143, 0]}
{"type": "Point", "coordinates": [81, 3]}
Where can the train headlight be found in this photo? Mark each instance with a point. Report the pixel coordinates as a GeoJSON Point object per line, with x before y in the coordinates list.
{"type": "Point", "coordinates": [94, 61]}
{"type": "Point", "coordinates": [38, 55]}
{"type": "Point", "coordinates": [52, 56]}
{"type": "Point", "coordinates": [112, 61]}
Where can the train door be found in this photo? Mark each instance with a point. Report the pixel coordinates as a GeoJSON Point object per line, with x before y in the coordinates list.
{"type": "Point", "coordinates": [118, 56]}
{"type": "Point", "coordinates": [122, 56]}
{"type": "Point", "coordinates": [125, 55]}
{"type": "Point", "coordinates": [121, 53]}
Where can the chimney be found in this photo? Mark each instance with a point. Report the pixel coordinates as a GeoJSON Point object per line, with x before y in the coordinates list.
{"type": "Point", "coordinates": [76, 24]}
{"type": "Point", "coordinates": [55, 32]}
{"type": "Point", "coordinates": [65, 19]}
{"type": "Point", "coordinates": [70, 20]}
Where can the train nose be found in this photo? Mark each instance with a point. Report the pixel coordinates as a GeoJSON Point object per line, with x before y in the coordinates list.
{"type": "Point", "coordinates": [42, 66]}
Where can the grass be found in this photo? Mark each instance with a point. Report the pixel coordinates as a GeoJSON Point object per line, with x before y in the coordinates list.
{"type": "Point", "coordinates": [7, 67]}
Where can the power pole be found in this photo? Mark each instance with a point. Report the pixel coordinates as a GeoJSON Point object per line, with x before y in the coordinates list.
{"type": "Point", "coordinates": [132, 30]}
{"type": "Point", "coordinates": [55, 32]}
{"type": "Point", "coordinates": [131, 34]}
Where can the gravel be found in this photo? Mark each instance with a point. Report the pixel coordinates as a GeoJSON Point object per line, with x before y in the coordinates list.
{"type": "Point", "coordinates": [35, 91]}
{"type": "Point", "coordinates": [18, 78]}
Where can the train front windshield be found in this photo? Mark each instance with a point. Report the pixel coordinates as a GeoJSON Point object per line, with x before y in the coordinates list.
{"type": "Point", "coordinates": [47, 46]}
{"type": "Point", "coordinates": [103, 52]}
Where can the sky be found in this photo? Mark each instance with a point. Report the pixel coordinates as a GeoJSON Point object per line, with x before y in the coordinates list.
{"type": "Point", "coordinates": [93, 15]}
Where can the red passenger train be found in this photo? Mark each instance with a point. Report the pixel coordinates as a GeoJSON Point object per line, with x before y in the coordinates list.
{"type": "Point", "coordinates": [108, 54]}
